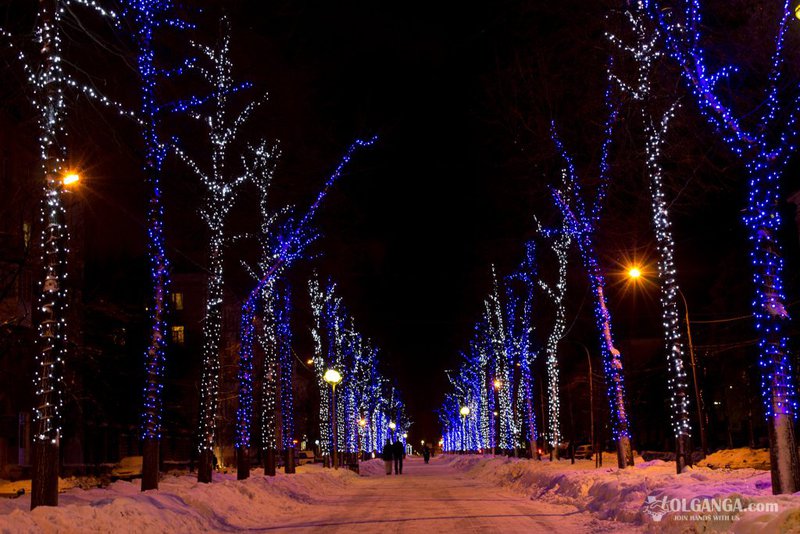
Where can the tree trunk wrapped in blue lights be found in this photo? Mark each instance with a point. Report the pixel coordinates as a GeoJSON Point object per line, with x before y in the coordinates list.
{"type": "Point", "coordinates": [582, 224]}
{"type": "Point", "coordinates": [286, 362]}
{"type": "Point", "coordinates": [764, 140]}
{"type": "Point", "coordinates": [284, 240]}
{"type": "Point", "coordinates": [527, 354]}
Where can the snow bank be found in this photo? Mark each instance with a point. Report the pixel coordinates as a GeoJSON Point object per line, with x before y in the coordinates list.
{"type": "Point", "coordinates": [180, 504]}
{"type": "Point", "coordinates": [10, 487]}
{"type": "Point", "coordinates": [614, 494]}
{"type": "Point", "coordinates": [372, 468]}
{"type": "Point", "coordinates": [737, 459]}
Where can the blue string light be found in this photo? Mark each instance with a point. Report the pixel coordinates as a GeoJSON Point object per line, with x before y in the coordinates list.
{"type": "Point", "coordinates": [764, 147]}
{"type": "Point", "coordinates": [284, 338]}
{"type": "Point", "coordinates": [144, 18]}
{"type": "Point", "coordinates": [526, 355]}
{"type": "Point", "coordinates": [281, 248]}
{"type": "Point", "coordinates": [581, 225]}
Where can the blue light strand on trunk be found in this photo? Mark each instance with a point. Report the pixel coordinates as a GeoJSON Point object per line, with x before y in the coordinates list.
{"type": "Point", "coordinates": [145, 17]}
{"type": "Point", "coordinates": [284, 329]}
{"type": "Point", "coordinates": [527, 273]}
{"type": "Point", "coordinates": [764, 141]}
{"type": "Point", "coordinates": [582, 226]}
{"type": "Point", "coordinates": [282, 247]}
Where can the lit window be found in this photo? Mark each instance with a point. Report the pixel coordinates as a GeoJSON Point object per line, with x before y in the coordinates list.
{"type": "Point", "coordinates": [177, 301]}
{"type": "Point", "coordinates": [177, 335]}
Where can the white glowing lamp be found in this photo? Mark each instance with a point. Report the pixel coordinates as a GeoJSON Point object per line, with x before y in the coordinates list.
{"type": "Point", "coordinates": [332, 377]}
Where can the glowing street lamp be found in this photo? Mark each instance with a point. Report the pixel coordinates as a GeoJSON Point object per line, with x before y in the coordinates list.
{"type": "Point", "coordinates": [333, 377]}
{"type": "Point", "coordinates": [497, 384]}
{"type": "Point", "coordinates": [362, 424]}
{"type": "Point", "coordinates": [464, 413]}
{"type": "Point", "coordinates": [70, 178]}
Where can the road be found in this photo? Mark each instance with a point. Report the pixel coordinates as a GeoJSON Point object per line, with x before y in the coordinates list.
{"type": "Point", "coordinates": [436, 498]}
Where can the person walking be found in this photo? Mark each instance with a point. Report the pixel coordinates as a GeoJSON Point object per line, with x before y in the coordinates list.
{"type": "Point", "coordinates": [426, 453]}
{"type": "Point", "coordinates": [388, 453]}
{"type": "Point", "coordinates": [398, 453]}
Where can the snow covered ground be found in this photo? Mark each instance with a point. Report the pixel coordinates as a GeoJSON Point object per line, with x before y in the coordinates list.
{"type": "Point", "coordinates": [463, 494]}
{"type": "Point", "coordinates": [180, 504]}
{"type": "Point", "coordinates": [426, 498]}
{"type": "Point", "coordinates": [619, 495]}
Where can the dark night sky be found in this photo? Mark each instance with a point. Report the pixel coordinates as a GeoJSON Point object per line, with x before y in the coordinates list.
{"type": "Point", "coordinates": [411, 232]}
{"type": "Point", "coordinates": [461, 95]}
{"type": "Point", "coordinates": [452, 185]}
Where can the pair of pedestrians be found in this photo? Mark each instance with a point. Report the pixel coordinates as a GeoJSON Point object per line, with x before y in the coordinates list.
{"type": "Point", "coordinates": [393, 452]}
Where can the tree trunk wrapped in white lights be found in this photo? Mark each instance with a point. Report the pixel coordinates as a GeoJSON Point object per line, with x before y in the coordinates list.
{"type": "Point", "coordinates": [645, 52]}
{"type": "Point", "coordinates": [559, 241]}
{"type": "Point", "coordinates": [221, 186]}
{"type": "Point", "coordinates": [763, 135]}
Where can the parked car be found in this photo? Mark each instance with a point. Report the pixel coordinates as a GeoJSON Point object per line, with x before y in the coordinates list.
{"type": "Point", "coordinates": [583, 452]}
{"type": "Point", "coordinates": [305, 457]}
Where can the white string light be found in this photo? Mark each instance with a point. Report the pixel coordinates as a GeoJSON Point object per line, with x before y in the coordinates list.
{"type": "Point", "coordinates": [765, 148]}
{"type": "Point", "coordinates": [645, 52]}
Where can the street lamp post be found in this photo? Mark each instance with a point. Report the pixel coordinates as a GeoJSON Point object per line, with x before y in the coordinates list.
{"type": "Point", "coordinates": [362, 424]}
{"type": "Point", "coordinates": [598, 459]}
{"type": "Point", "coordinates": [701, 427]}
{"type": "Point", "coordinates": [636, 273]}
{"type": "Point", "coordinates": [333, 377]}
{"type": "Point", "coordinates": [464, 413]}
